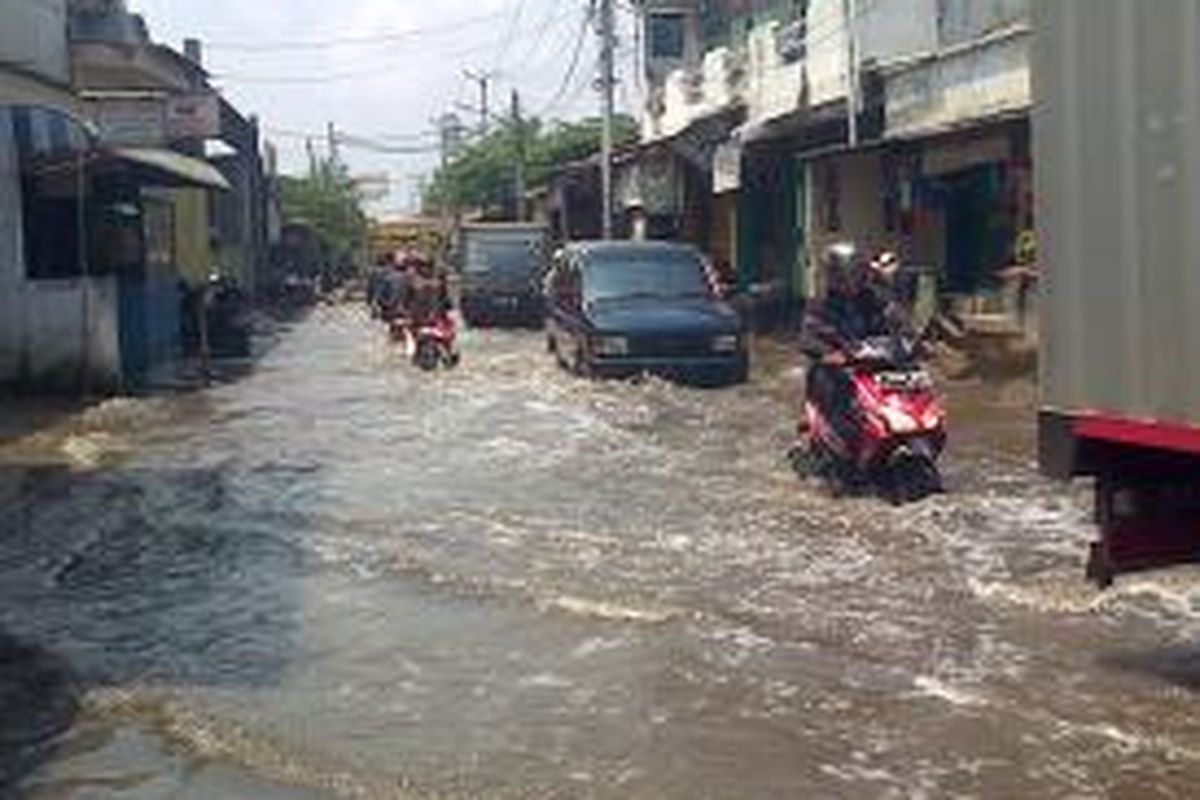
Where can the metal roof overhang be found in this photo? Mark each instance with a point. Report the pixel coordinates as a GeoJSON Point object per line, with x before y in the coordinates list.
{"type": "Point", "coordinates": [157, 167]}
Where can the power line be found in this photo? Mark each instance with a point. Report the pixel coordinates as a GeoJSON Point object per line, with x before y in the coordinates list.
{"type": "Point", "coordinates": [506, 42]}
{"type": "Point", "coordinates": [349, 41]}
{"type": "Point", "coordinates": [354, 141]}
{"type": "Point", "coordinates": [370, 70]}
{"type": "Point", "coordinates": [304, 80]}
{"type": "Point", "coordinates": [572, 67]}
{"type": "Point", "coordinates": [544, 72]}
{"type": "Point", "coordinates": [363, 143]}
{"type": "Point", "coordinates": [540, 35]}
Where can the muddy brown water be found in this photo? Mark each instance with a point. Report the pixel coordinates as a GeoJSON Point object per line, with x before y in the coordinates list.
{"type": "Point", "coordinates": [339, 578]}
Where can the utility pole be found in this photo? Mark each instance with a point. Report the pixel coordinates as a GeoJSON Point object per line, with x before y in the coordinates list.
{"type": "Point", "coordinates": [450, 135]}
{"type": "Point", "coordinates": [519, 179]}
{"type": "Point", "coordinates": [333, 143]}
{"type": "Point", "coordinates": [852, 80]}
{"type": "Point", "coordinates": [484, 79]}
{"type": "Point", "coordinates": [607, 88]}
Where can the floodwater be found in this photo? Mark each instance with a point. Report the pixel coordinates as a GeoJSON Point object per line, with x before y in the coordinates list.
{"type": "Point", "coordinates": [339, 578]}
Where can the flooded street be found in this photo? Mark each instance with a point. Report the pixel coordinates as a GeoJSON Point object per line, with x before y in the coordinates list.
{"type": "Point", "coordinates": [339, 578]}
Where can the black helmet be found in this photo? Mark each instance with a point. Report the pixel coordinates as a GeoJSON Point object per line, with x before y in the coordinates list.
{"type": "Point", "coordinates": [842, 264]}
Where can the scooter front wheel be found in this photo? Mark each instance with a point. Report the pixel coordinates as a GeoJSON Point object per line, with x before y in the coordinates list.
{"type": "Point", "coordinates": [427, 356]}
{"type": "Point", "coordinates": [913, 480]}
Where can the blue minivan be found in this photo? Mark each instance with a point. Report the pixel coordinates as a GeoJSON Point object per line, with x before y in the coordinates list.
{"type": "Point", "coordinates": [616, 309]}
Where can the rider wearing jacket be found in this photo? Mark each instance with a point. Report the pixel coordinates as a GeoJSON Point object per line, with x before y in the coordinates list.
{"type": "Point", "coordinates": [427, 297]}
{"type": "Point", "coordinates": [851, 309]}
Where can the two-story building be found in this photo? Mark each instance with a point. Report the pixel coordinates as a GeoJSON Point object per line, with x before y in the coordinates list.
{"type": "Point", "coordinates": [900, 124]}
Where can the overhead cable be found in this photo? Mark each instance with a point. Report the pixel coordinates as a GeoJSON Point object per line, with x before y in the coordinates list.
{"type": "Point", "coordinates": [348, 41]}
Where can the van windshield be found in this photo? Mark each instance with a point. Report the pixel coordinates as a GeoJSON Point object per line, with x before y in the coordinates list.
{"type": "Point", "coordinates": [645, 274]}
{"type": "Point", "coordinates": [506, 258]}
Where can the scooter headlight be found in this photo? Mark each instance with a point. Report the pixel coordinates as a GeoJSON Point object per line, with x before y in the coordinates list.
{"type": "Point", "coordinates": [898, 421]}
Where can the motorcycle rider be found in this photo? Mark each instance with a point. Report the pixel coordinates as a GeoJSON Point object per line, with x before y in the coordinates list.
{"type": "Point", "coordinates": [394, 291]}
{"type": "Point", "coordinates": [427, 297]}
{"type": "Point", "coordinates": [851, 309]}
{"type": "Point", "coordinates": [376, 279]}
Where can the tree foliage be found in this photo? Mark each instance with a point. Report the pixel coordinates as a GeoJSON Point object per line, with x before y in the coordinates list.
{"type": "Point", "coordinates": [327, 201]}
{"type": "Point", "coordinates": [482, 175]}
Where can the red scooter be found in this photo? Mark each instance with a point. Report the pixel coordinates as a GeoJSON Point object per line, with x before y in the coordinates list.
{"type": "Point", "coordinates": [900, 423]}
{"type": "Point", "coordinates": [430, 345]}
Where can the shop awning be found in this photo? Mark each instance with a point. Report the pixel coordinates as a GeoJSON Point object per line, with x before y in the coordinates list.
{"type": "Point", "coordinates": [168, 168]}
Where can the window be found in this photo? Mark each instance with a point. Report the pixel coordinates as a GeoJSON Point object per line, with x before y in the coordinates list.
{"type": "Point", "coordinates": [50, 150]}
{"type": "Point", "coordinates": [658, 273]}
{"type": "Point", "coordinates": [666, 36]}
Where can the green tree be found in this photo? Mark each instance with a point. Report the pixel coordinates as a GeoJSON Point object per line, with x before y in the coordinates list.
{"type": "Point", "coordinates": [482, 175]}
{"type": "Point", "coordinates": [327, 201]}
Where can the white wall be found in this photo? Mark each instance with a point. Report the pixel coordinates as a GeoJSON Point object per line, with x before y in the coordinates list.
{"type": "Point", "coordinates": [773, 88]}
{"type": "Point", "coordinates": [860, 178]}
{"type": "Point", "coordinates": [890, 30]}
{"type": "Point", "coordinates": [33, 38]}
{"type": "Point", "coordinates": [970, 84]}
{"type": "Point", "coordinates": [828, 52]}
{"type": "Point", "coordinates": [964, 20]}
{"type": "Point", "coordinates": [690, 95]}
{"type": "Point", "coordinates": [55, 338]}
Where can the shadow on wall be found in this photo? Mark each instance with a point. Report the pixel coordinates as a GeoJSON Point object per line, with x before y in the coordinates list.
{"type": "Point", "coordinates": [143, 579]}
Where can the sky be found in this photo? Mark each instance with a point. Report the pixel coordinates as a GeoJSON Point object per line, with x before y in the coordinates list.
{"type": "Point", "coordinates": [385, 70]}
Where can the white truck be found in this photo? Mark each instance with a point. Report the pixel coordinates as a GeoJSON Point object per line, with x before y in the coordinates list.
{"type": "Point", "coordinates": [1117, 153]}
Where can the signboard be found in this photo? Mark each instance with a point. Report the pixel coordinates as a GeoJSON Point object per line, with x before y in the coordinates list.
{"type": "Point", "coordinates": [194, 116]}
{"type": "Point", "coordinates": [130, 122]}
{"type": "Point", "coordinates": [727, 168]}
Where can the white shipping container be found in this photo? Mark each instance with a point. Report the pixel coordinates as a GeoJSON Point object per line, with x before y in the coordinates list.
{"type": "Point", "coordinates": [1117, 154]}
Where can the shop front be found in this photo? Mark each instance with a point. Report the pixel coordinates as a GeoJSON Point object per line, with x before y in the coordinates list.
{"type": "Point", "coordinates": [958, 206]}
{"type": "Point", "coordinates": [974, 196]}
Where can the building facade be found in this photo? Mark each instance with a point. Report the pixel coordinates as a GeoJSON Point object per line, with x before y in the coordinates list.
{"type": "Point", "coordinates": [110, 213]}
{"type": "Point", "coordinates": [58, 320]}
{"type": "Point", "coordinates": [900, 124]}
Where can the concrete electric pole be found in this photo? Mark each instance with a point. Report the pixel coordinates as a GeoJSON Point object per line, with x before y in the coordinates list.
{"type": "Point", "coordinates": [484, 80]}
{"type": "Point", "coordinates": [608, 82]}
{"type": "Point", "coordinates": [853, 104]}
{"type": "Point", "coordinates": [333, 143]}
{"type": "Point", "coordinates": [519, 178]}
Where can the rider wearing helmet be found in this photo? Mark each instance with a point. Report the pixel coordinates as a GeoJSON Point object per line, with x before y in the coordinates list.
{"type": "Point", "coordinates": [427, 296]}
{"type": "Point", "coordinates": [850, 310]}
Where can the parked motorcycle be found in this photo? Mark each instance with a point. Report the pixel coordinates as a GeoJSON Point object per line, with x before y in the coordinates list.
{"type": "Point", "coordinates": [900, 421]}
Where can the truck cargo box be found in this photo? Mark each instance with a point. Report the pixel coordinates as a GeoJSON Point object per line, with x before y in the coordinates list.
{"type": "Point", "coordinates": [1117, 155]}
